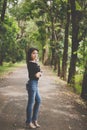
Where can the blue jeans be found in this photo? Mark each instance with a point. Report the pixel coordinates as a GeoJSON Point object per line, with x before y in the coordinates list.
{"type": "Point", "coordinates": [34, 101]}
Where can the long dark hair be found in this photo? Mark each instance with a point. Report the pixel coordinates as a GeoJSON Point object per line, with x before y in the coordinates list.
{"type": "Point", "coordinates": [28, 56]}
{"type": "Point", "coordinates": [29, 53]}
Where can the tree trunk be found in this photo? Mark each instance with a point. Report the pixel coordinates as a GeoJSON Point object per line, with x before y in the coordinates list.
{"type": "Point", "coordinates": [75, 43]}
{"type": "Point", "coordinates": [52, 56]}
{"type": "Point", "coordinates": [2, 20]}
{"type": "Point", "coordinates": [27, 61]}
{"type": "Point", "coordinates": [59, 72]}
{"type": "Point", "coordinates": [1, 51]}
{"type": "Point", "coordinates": [1, 60]}
{"type": "Point", "coordinates": [55, 61]}
{"type": "Point", "coordinates": [45, 55]}
{"type": "Point", "coordinates": [53, 34]}
{"type": "Point", "coordinates": [84, 84]}
{"type": "Point", "coordinates": [43, 52]}
{"type": "Point", "coordinates": [3, 10]}
{"type": "Point", "coordinates": [65, 53]}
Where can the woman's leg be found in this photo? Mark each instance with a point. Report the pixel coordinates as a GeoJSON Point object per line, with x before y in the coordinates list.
{"type": "Point", "coordinates": [36, 106]}
{"type": "Point", "coordinates": [31, 100]}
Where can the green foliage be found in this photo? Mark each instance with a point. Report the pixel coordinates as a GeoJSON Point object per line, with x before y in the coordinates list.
{"type": "Point", "coordinates": [78, 7]}
{"type": "Point", "coordinates": [9, 48]}
{"type": "Point", "coordinates": [31, 31]}
{"type": "Point", "coordinates": [82, 56]}
{"type": "Point", "coordinates": [78, 83]}
{"type": "Point", "coordinates": [1, 3]}
{"type": "Point", "coordinates": [22, 10]}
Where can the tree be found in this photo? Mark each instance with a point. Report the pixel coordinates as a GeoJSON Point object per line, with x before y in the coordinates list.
{"type": "Point", "coordinates": [4, 6]}
{"type": "Point", "coordinates": [84, 83]}
{"type": "Point", "coordinates": [65, 50]}
{"type": "Point", "coordinates": [75, 18]}
{"type": "Point", "coordinates": [3, 10]}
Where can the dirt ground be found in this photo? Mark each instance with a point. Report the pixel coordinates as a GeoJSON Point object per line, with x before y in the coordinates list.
{"type": "Point", "coordinates": [60, 109]}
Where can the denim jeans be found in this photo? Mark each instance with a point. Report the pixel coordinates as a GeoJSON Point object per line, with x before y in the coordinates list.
{"type": "Point", "coordinates": [34, 101]}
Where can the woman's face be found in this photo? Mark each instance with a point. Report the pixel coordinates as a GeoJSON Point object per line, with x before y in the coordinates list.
{"type": "Point", "coordinates": [34, 55]}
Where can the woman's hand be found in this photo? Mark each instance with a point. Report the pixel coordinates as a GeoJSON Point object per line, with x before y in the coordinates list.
{"type": "Point", "coordinates": [38, 74]}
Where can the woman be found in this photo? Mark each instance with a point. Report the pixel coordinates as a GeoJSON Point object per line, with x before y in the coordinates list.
{"type": "Point", "coordinates": [32, 88]}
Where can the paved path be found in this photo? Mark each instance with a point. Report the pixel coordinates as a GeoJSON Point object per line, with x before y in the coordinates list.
{"type": "Point", "coordinates": [60, 109]}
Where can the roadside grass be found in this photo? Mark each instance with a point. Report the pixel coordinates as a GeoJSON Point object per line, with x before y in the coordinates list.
{"type": "Point", "coordinates": [8, 67]}
{"type": "Point", "coordinates": [78, 83]}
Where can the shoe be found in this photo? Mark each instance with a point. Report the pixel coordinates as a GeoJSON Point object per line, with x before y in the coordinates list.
{"type": "Point", "coordinates": [31, 126]}
{"type": "Point", "coordinates": [36, 124]}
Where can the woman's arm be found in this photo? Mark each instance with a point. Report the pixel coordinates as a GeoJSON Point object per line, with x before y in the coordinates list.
{"type": "Point", "coordinates": [38, 74]}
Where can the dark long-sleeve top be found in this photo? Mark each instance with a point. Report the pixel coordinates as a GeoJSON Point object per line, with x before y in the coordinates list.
{"type": "Point", "coordinates": [33, 69]}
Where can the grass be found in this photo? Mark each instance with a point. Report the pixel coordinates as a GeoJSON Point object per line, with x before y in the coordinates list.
{"type": "Point", "coordinates": [78, 83]}
{"type": "Point", "coordinates": [8, 67]}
